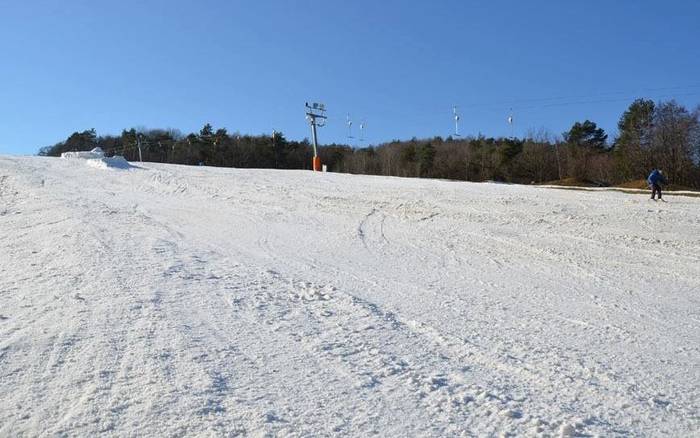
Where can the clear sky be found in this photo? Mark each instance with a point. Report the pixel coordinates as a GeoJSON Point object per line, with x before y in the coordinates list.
{"type": "Point", "coordinates": [249, 66]}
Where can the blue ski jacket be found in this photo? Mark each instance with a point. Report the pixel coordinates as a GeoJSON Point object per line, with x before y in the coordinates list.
{"type": "Point", "coordinates": [655, 177]}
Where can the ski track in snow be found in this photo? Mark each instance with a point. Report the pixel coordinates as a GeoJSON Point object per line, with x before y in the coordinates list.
{"type": "Point", "coordinates": [168, 300]}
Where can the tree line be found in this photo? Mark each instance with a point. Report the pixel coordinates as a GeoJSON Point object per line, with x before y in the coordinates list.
{"type": "Point", "coordinates": [662, 135]}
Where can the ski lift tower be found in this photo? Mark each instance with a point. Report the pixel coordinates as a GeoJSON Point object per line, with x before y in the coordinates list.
{"type": "Point", "coordinates": [456, 118]}
{"type": "Point", "coordinates": [510, 123]}
{"type": "Point", "coordinates": [316, 115]}
{"type": "Point", "coordinates": [138, 145]}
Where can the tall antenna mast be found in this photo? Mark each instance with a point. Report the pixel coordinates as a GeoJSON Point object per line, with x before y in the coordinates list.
{"type": "Point", "coordinates": [362, 130]}
{"type": "Point", "coordinates": [456, 118]}
{"type": "Point", "coordinates": [316, 115]}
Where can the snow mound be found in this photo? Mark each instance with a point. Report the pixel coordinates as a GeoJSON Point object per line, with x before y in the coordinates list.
{"type": "Point", "coordinates": [115, 162]}
{"type": "Point", "coordinates": [96, 158]}
{"type": "Point", "coordinates": [95, 153]}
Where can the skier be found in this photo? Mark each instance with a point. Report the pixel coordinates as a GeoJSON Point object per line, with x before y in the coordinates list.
{"type": "Point", "coordinates": [655, 179]}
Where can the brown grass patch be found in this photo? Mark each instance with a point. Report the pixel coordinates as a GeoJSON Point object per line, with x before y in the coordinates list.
{"type": "Point", "coordinates": [572, 182]}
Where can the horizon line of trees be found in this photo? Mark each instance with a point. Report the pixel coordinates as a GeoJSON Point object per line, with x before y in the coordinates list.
{"type": "Point", "coordinates": [663, 135]}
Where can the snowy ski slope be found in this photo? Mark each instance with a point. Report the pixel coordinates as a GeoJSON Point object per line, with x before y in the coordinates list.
{"type": "Point", "coordinates": [167, 300]}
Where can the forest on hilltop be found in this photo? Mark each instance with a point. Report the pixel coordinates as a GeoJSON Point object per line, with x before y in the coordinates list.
{"type": "Point", "coordinates": [662, 135]}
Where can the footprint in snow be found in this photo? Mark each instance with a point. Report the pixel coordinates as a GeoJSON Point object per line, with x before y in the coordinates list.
{"type": "Point", "coordinates": [272, 417]}
{"type": "Point", "coordinates": [310, 292]}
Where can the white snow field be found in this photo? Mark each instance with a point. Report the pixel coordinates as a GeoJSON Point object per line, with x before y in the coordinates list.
{"type": "Point", "coordinates": [163, 300]}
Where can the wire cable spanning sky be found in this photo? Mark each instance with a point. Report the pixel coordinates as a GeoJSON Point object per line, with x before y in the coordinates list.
{"type": "Point", "coordinates": [397, 66]}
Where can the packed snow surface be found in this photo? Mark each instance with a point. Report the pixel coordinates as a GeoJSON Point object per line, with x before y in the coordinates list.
{"type": "Point", "coordinates": [192, 301]}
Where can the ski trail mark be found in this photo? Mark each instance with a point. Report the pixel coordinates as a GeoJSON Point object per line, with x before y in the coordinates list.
{"type": "Point", "coordinates": [370, 230]}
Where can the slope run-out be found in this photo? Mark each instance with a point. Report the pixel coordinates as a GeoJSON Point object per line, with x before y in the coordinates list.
{"type": "Point", "coordinates": [172, 300]}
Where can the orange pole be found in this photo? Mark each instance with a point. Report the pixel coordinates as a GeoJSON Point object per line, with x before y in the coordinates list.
{"type": "Point", "coordinates": [317, 164]}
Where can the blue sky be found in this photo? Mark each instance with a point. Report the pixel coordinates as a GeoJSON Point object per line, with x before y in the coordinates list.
{"type": "Point", "coordinates": [398, 65]}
